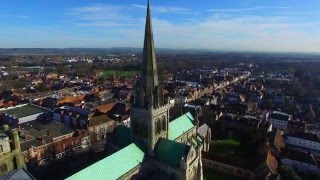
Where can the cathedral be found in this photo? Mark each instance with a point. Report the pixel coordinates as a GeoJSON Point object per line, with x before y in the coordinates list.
{"type": "Point", "coordinates": [153, 147]}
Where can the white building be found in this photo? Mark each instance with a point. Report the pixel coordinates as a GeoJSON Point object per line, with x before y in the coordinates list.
{"type": "Point", "coordinates": [308, 141]}
{"type": "Point", "coordinates": [301, 161]}
{"type": "Point", "coordinates": [279, 119]}
{"type": "Point", "coordinates": [180, 100]}
{"type": "Point", "coordinates": [24, 113]}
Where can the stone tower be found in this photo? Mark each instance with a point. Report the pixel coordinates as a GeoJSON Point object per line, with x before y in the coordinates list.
{"type": "Point", "coordinates": [149, 111]}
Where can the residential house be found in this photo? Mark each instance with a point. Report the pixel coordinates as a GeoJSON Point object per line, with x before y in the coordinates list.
{"type": "Point", "coordinates": [100, 126]}
{"type": "Point", "coordinates": [301, 161]}
{"type": "Point", "coordinates": [296, 126]}
{"type": "Point", "coordinates": [304, 141]}
{"type": "Point", "coordinates": [45, 141]}
{"type": "Point", "coordinates": [72, 116]}
{"type": "Point", "coordinates": [279, 120]}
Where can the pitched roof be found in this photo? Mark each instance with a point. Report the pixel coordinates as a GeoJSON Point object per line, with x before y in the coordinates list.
{"type": "Point", "coordinates": [99, 120]}
{"type": "Point", "coordinates": [278, 140]}
{"type": "Point", "coordinates": [272, 163]}
{"type": "Point", "coordinates": [305, 136]}
{"type": "Point", "coordinates": [279, 116]}
{"type": "Point", "coordinates": [170, 152]}
{"type": "Point", "coordinates": [106, 107]}
{"type": "Point", "coordinates": [203, 129]}
{"type": "Point", "coordinates": [300, 156]}
{"type": "Point", "coordinates": [113, 166]}
{"type": "Point", "coordinates": [180, 125]}
{"type": "Point", "coordinates": [121, 136]}
{"type": "Point", "coordinates": [17, 174]}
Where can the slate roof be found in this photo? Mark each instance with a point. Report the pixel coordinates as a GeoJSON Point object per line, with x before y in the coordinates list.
{"type": "Point", "coordinates": [17, 174]}
{"type": "Point", "coordinates": [306, 136]}
{"type": "Point", "coordinates": [114, 166]}
{"type": "Point", "coordinates": [99, 120]}
{"type": "Point", "coordinates": [300, 156]}
{"type": "Point", "coordinates": [106, 107]}
{"type": "Point", "coordinates": [180, 125]}
{"type": "Point", "coordinates": [36, 131]}
{"type": "Point", "coordinates": [170, 152]}
{"type": "Point", "coordinates": [203, 129]}
{"type": "Point", "coordinates": [121, 136]}
{"type": "Point", "coordinates": [279, 116]}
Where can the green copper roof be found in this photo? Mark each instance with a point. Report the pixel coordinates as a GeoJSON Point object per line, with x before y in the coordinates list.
{"type": "Point", "coordinates": [170, 152]}
{"type": "Point", "coordinates": [112, 167]}
{"type": "Point", "coordinates": [121, 136]}
{"type": "Point", "coordinates": [180, 125]}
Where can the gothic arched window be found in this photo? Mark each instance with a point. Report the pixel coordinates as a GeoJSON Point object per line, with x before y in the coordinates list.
{"type": "Point", "coordinates": [145, 130]}
{"type": "Point", "coordinates": [164, 124]}
{"type": "Point", "coordinates": [138, 128]}
{"type": "Point", "coordinates": [158, 126]}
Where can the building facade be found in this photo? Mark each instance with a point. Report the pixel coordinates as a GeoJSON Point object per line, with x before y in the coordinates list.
{"type": "Point", "coordinates": [279, 120]}
{"type": "Point", "coordinates": [310, 142]}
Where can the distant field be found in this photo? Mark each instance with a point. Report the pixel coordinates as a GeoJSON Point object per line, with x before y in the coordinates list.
{"type": "Point", "coordinates": [211, 174]}
{"type": "Point", "coordinates": [119, 73]}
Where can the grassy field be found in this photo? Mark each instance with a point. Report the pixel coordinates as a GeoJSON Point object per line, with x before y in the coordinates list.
{"type": "Point", "coordinates": [230, 152]}
{"type": "Point", "coordinates": [119, 73]}
{"type": "Point", "coordinates": [224, 148]}
{"type": "Point", "coordinates": [211, 174]}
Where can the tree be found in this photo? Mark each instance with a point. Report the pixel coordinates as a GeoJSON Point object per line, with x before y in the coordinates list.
{"type": "Point", "coordinates": [208, 116]}
{"type": "Point", "coordinates": [219, 129]}
{"type": "Point", "coordinates": [288, 173]}
{"type": "Point", "coordinates": [249, 141]}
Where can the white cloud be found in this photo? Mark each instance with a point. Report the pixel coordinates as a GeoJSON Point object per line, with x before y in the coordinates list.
{"type": "Point", "coordinates": [15, 16]}
{"type": "Point", "coordinates": [115, 26]}
{"type": "Point", "coordinates": [254, 8]}
{"type": "Point", "coordinates": [254, 33]}
{"type": "Point", "coordinates": [98, 15]}
{"type": "Point", "coordinates": [164, 9]}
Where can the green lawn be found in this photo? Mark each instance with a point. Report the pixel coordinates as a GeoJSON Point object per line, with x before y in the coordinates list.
{"type": "Point", "coordinates": [224, 148]}
{"type": "Point", "coordinates": [230, 152]}
{"type": "Point", "coordinates": [119, 73]}
{"type": "Point", "coordinates": [212, 174]}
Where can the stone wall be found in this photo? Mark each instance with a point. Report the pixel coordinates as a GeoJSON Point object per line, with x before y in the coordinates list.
{"type": "Point", "coordinates": [228, 168]}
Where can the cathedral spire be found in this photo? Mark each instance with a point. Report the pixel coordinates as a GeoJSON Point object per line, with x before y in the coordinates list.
{"type": "Point", "coordinates": [150, 71]}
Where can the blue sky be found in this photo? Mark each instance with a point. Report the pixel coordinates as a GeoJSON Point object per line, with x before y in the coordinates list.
{"type": "Point", "coordinates": [253, 25]}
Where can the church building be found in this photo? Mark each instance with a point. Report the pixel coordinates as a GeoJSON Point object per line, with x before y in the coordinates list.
{"type": "Point", "coordinates": [153, 147]}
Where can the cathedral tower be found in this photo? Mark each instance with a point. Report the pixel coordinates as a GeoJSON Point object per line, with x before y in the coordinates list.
{"type": "Point", "coordinates": [149, 111]}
